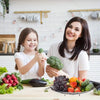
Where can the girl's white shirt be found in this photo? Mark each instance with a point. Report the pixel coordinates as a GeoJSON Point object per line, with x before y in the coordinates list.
{"type": "Point", "coordinates": [32, 73]}
{"type": "Point", "coordinates": [71, 67]}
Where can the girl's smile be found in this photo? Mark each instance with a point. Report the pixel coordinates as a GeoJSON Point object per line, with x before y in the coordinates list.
{"type": "Point", "coordinates": [30, 42]}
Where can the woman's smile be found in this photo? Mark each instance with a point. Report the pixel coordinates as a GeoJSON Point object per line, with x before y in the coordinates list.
{"type": "Point", "coordinates": [73, 32]}
{"type": "Point", "coordinates": [70, 35]}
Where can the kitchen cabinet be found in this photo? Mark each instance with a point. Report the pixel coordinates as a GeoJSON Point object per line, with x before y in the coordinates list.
{"type": "Point", "coordinates": [93, 74]}
{"type": "Point", "coordinates": [8, 62]}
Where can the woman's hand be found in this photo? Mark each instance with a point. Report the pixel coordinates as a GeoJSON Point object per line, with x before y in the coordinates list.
{"type": "Point", "coordinates": [54, 72]}
{"type": "Point", "coordinates": [51, 71]}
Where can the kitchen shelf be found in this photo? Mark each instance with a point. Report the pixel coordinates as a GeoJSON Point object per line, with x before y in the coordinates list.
{"type": "Point", "coordinates": [7, 39]}
{"type": "Point", "coordinates": [80, 10]}
{"type": "Point", "coordinates": [24, 12]}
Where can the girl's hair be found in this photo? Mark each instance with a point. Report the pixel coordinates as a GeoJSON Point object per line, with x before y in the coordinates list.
{"type": "Point", "coordinates": [82, 43]}
{"type": "Point", "coordinates": [24, 33]}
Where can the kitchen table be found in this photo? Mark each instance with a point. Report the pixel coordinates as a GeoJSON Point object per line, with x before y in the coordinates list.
{"type": "Point", "coordinates": [38, 93]}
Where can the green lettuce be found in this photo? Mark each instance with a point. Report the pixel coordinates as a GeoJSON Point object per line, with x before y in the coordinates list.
{"type": "Point", "coordinates": [3, 70]}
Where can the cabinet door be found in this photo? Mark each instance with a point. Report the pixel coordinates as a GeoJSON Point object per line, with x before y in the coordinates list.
{"type": "Point", "coordinates": [94, 72]}
{"type": "Point", "coordinates": [8, 62]}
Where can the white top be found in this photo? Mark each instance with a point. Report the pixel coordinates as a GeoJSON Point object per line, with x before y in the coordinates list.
{"type": "Point", "coordinates": [32, 73]}
{"type": "Point", "coordinates": [70, 66]}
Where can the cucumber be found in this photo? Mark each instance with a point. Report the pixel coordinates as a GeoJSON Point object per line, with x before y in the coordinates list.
{"type": "Point", "coordinates": [26, 81]}
{"type": "Point", "coordinates": [89, 87]}
{"type": "Point", "coordinates": [97, 90]}
{"type": "Point", "coordinates": [85, 83]}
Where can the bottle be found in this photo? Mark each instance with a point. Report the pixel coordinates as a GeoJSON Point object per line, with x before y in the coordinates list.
{"type": "Point", "coordinates": [9, 48]}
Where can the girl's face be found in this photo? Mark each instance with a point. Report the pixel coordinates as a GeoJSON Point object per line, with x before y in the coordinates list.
{"type": "Point", "coordinates": [73, 31]}
{"type": "Point", "coordinates": [30, 42]}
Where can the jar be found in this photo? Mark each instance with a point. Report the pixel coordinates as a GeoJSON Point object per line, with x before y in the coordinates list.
{"type": "Point", "coordinates": [95, 47]}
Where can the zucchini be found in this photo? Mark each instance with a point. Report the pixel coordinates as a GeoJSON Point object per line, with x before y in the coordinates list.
{"type": "Point", "coordinates": [26, 81]}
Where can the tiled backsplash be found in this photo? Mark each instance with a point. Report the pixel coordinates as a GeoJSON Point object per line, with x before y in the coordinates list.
{"type": "Point", "coordinates": [93, 74]}
{"type": "Point", "coordinates": [52, 28]}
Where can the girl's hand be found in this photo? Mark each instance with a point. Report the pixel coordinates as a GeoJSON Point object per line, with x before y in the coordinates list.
{"type": "Point", "coordinates": [41, 61]}
{"type": "Point", "coordinates": [36, 56]}
{"type": "Point", "coordinates": [42, 57]}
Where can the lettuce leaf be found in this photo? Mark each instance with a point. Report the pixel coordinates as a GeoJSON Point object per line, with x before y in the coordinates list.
{"type": "Point", "coordinates": [3, 70]}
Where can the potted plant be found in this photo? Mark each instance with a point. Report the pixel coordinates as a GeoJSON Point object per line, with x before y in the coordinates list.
{"type": "Point", "coordinates": [5, 6]}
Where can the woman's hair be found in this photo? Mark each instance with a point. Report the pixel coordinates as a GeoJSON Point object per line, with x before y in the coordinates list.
{"type": "Point", "coordinates": [82, 43]}
{"type": "Point", "coordinates": [24, 33]}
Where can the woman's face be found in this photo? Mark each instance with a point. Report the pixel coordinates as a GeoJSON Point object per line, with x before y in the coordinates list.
{"type": "Point", "coordinates": [73, 31]}
{"type": "Point", "coordinates": [30, 42]}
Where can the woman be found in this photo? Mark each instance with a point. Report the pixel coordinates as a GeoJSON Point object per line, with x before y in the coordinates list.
{"type": "Point", "coordinates": [73, 51]}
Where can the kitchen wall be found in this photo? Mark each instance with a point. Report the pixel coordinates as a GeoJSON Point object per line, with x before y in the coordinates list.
{"type": "Point", "coordinates": [51, 30]}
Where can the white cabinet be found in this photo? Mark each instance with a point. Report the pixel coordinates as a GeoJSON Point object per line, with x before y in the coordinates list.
{"type": "Point", "coordinates": [94, 72]}
{"type": "Point", "coordinates": [8, 62]}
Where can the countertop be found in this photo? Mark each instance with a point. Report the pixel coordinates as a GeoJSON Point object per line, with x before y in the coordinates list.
{"type": "Point", "coordinates": [37, 93]}
{"type": "Point", "coordinates": [9, 54]}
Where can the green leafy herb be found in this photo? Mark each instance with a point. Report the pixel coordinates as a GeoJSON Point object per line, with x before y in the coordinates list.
{"type": "Point", "coordinates": [46, 90]}
{"type": "Point", "coordinates": [3, 70]}
{"type": "Point", "coordinates": [49, 83]}
{"type": "Point", "coordinates": [19, 86]}
{"type": "Point", "coordinates": [4, 89]}
{"type": "Point", "coordinates": [1, 81]}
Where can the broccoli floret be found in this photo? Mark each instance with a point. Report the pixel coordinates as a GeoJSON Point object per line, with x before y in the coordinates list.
{"type": "Point", "coordinates": [55, 62]}
{"type": "Point", "coordinates": [40, 50]}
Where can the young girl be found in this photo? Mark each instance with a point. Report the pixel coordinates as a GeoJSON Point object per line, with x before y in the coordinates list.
{"type": "Point", "coordinates": [73, 50]}
{"type": "Point", "coordinates": [29, 62]}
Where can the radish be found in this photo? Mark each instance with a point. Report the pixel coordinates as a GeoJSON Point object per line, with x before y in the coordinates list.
{"type": "Point", "coordinates": [13, 77]}
{"type": "Point", "coordinates": [7, 81]}
{"type": "Point", "coordinates": [8, 76]}
{"type": "Point", "coordinates": [11, 81]}
{"type": "Point", "coordinates": [16, 81]}
{"type": "Point", "coordinates": [13, 84]}
{"type": "Point", "coordinates": [4, 79]}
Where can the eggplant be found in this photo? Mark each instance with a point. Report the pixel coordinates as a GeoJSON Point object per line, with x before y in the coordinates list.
{"type": "Point", "coordinates": [95, 83]}
{"type": "Point", "coordinates": [98, 87]}
{"type": "Point", "coordinates": [37, 83]}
